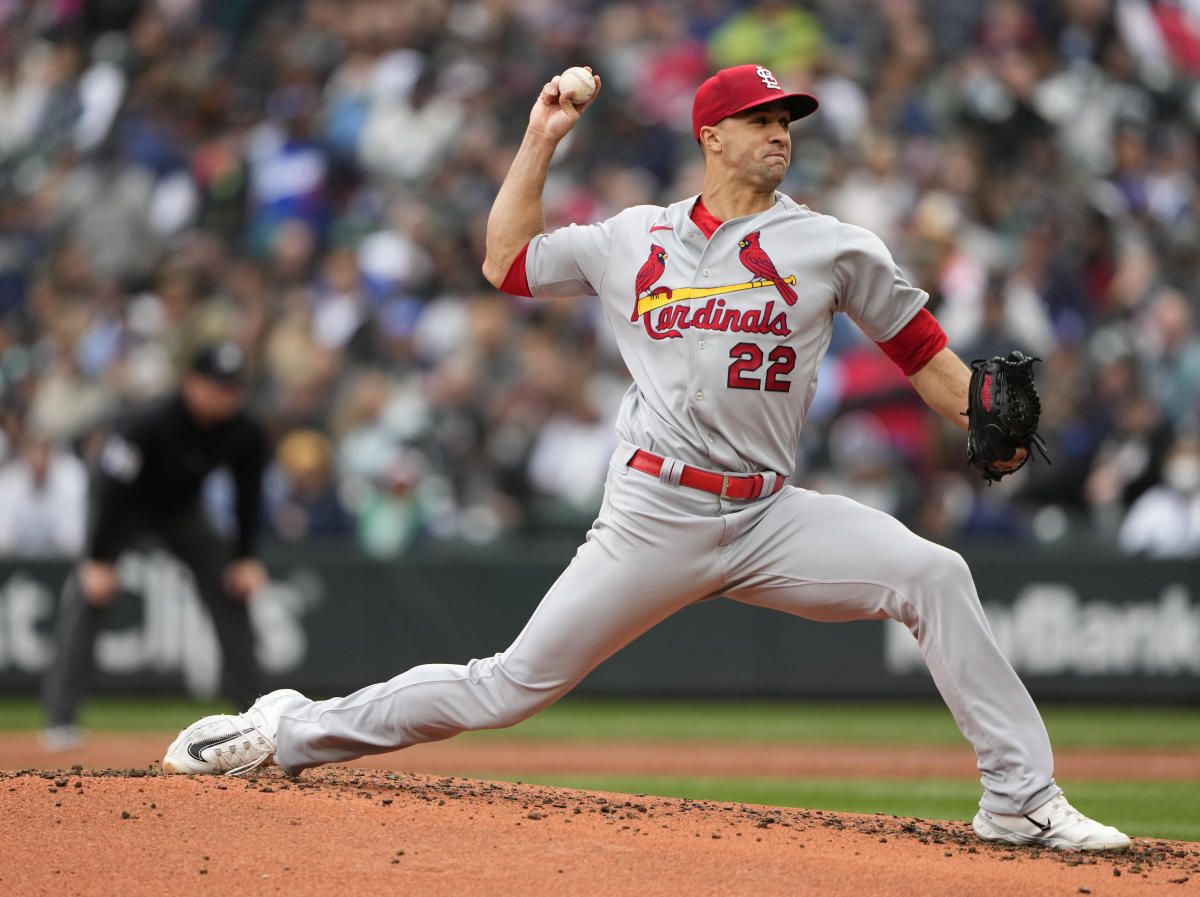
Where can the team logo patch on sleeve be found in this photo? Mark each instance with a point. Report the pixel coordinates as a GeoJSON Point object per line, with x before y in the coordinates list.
{"type": "Point", "coordinates": [120, 459]}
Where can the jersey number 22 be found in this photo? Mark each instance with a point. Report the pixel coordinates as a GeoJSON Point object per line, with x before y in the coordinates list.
{"type": "Point", "coordinates": [748, 358]}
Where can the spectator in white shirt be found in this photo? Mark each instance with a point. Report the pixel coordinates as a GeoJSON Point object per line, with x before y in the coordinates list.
{"type": "Point", "coordinates": [43, 501]}
{"type": "Point", "coordinates": [1164, 521]}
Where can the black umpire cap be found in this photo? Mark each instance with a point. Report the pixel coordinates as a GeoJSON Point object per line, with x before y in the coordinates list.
{"type": "Point", "coordinates": [223, 362]}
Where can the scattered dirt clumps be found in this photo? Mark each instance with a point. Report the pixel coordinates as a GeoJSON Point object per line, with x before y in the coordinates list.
{"type": "Point", "coordinates": [135, 831]}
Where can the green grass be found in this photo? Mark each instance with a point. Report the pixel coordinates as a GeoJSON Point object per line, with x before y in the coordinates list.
{"type": "Point", "coordinates": [1142, 809]}
{"type": "Point", "coordinates": [1146, 809]}
{"type": "Point", "coordinates": [865, 723]}
{"type": "Point", "coordinates": [779, 722]}
{"type": "Point", "coordinates": [112, 714]}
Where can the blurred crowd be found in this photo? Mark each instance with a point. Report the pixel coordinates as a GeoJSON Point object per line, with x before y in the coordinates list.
{"type": "Point", "coordinates": [312, 178]}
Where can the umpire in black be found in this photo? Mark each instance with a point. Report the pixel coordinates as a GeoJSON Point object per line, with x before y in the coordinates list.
{"type": "Point", "coordinates": [147, 482]}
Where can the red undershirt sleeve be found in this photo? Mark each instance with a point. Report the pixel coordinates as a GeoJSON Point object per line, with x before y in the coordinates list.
{"type": "Point", "coordinates": [516, 282]}
{"type": "Point", "coordinates": [917, 342]}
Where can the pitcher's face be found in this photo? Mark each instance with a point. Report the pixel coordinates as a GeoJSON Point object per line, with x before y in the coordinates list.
{"type": "Point", "coordinates": [757, 143]}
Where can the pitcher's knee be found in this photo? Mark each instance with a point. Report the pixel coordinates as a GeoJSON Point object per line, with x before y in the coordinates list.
{"type": "Point", "coordinates": [507, 700]}
{"type": "Point", "coordinates": [939, 582]}
{"type": "Point", "coordinates": [518, 704]}
{"type": "Point", "coordinates": [947, 569]}
{"type": "Point", "coordinates": [915, 562]}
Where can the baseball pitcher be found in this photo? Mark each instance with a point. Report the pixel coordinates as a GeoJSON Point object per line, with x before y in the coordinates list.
{"type": "Point", "coordinates": [722, 306]}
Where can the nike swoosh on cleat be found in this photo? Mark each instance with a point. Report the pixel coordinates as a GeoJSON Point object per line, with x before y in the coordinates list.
{"type": "Point", "coordinates": [1045, 827]}
{"type": "Point", "coordinates": [196, 747]}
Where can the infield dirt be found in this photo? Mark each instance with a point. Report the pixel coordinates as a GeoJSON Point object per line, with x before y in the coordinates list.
{"type": "Point", "coordinates": [131, 831]}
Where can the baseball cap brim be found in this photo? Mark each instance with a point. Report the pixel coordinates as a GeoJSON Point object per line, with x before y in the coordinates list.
{"type": "Point", "coordinates": [223, 363]}
{"type": "Point", "coordinates": [799, 104]}
{"type": "Point", "coordinates": [743, 87]}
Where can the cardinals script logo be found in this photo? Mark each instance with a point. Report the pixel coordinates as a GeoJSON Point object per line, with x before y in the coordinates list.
{"type": "Point", "coordinates": [671, 318]}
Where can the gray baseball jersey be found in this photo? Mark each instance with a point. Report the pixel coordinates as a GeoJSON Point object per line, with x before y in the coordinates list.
{"type": "Point", "coordinates": [732, 330]}
{"type": "Point", "coordinates": [723, 337]}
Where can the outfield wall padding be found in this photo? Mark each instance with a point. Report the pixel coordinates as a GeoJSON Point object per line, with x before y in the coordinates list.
{"type": "Point", "coordinates": [1076, 625]}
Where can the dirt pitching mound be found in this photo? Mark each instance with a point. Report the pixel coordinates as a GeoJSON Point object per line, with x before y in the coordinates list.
{"type": "Point", "coordinates": [353, 831]}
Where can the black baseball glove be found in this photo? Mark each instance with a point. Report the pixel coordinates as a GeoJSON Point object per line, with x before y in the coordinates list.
{"type": "Point", "coordinates": [1002, 414]}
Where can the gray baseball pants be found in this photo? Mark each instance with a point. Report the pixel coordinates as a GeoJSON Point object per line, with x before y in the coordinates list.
{"type": "Point", "coordinates": [654, 549]}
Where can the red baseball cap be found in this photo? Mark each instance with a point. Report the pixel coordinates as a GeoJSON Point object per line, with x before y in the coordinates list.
{"type": "Point", "coordinates": [735, 89]}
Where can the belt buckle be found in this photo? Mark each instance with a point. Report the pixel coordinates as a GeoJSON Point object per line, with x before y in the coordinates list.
{"type": "Point", "coordinates": [724, 485]}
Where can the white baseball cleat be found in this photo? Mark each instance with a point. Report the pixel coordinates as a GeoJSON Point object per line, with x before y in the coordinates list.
{"type": "Point", "coordinates": [232, 744]}
{"type": "Point", "coordinates": [1054, 824]}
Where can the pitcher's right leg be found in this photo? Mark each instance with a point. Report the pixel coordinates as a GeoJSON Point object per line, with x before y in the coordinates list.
{"type": "Point", "coordinates": [828, 558]}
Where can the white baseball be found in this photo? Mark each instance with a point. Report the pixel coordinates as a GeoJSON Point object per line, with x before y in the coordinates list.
{"type": "Point", "coordinates": [579, 83]}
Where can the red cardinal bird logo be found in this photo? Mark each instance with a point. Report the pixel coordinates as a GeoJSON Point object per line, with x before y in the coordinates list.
{"type": "Point", "coordinates": [759, 263]}
{"type": "Point", "coordinates": [650, 271]}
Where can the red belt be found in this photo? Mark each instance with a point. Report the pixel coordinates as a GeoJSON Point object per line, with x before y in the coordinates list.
{"type": "Point", "coordinates": [721, 484]}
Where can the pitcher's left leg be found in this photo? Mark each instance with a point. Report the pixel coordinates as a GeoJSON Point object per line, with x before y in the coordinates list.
{"type": "Point", "coordinates": [645, 557]}
{"type": "Point", "coordinates": [831, 559]}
